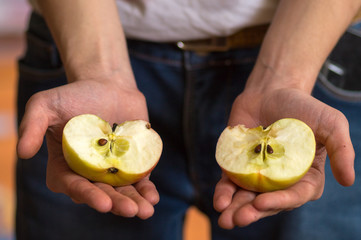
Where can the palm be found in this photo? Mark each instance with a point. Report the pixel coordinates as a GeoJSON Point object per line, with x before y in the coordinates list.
{"type": "Point", "coordinates": [240, 207]}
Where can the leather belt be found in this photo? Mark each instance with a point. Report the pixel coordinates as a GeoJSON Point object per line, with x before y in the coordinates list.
{"type": "Point", "coordinates": [245, 38]}
{"type": "Point", "coordinates": [357, 17]}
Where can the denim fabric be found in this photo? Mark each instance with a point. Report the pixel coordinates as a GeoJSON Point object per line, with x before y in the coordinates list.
{"type": "Point", "coordinates": [189, 97]}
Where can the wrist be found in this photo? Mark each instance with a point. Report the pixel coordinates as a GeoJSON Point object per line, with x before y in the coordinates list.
{"type": "Point", "coordinates": [272, 75]}
{"type": "Point", "coordinates": [298, 42]}
{"type": "Point", "coordinates": [90, 39]}
{"type": "Point", "coordinates": [116, 78]}
{"type": "Point", "coordinates": [102, 58]}
{"type": "Point", "coordinates": [100, 62]}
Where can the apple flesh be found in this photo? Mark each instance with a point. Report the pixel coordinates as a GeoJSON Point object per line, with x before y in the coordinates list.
{"type": "Point", "coordinates": [269, 159]}
{"type": "Point", "coordinates": [118, 156]}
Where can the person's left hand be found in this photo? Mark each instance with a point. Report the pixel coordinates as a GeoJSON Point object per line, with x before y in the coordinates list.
{"type": "Point", "coordinates": [240, 207]}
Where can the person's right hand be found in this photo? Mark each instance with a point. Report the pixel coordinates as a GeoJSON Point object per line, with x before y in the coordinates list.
{"type": "Point", "coordinates": [46, 114]}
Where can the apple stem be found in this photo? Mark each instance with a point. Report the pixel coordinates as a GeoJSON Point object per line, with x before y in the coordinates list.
{"type": "Point", "coordinates": [111, 147]}
{"type": "Point", "coordinates": [113, 170]}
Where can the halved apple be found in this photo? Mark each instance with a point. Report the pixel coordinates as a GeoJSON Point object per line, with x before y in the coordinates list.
{"type": "Point", "coordinates": [119, 156]}
{"type": "Point", "coordinates": [269, 159]}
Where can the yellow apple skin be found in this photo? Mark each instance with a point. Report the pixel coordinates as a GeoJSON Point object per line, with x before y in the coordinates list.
{"type": "Point", "coordinates": [88, 171]}
{"type": "Point", "coordinates": [256, 182]}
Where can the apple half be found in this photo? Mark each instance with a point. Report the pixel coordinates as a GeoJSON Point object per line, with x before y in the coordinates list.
{"type": "Point", "coordinates": [266, 159]}
{"type": "Point", "coordinates": [119, 155]}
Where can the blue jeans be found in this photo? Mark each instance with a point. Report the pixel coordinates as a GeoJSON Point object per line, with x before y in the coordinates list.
{"type": "Point", "coordinates": [189, 97]}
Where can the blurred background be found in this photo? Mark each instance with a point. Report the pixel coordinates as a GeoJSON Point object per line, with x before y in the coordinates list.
{"type": "Point", "coordinates": [13, 18]}
{"type": "Point", "coordinates": [13, 15]}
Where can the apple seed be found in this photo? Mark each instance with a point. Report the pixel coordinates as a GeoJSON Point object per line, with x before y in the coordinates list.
{"type": "Point", "coordinates": [258, 149]}
{"type": "Point", "coordinates": [148, 126]}
{"type": "Point", "coordinates": [269, 149]}
{"type": "Point", "coordinates": [114, 126]}
{"type": "Point", "coordinates": [102, 141]}
{"type": "Point", "coordinates": [113, 170]}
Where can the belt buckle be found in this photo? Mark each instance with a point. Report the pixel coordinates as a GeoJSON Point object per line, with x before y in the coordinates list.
{"type": "Point", "coordinates": [216, 44]}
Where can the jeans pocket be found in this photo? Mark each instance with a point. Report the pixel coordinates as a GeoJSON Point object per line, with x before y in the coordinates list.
{"type": "Point", "coordinates": [40, 53]}
{"type": "Point", "coordinates": [39, 69]}
{"type": "Point", "coordinates": [32, 80]}
{"type": "Point", "coordinates": [40, 76]}
{"type": "Point", "coordinates": [41, 63]}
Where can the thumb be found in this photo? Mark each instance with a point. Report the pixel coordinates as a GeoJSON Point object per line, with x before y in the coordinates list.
{"type": "Point", "coordinates": [32, 128]}
{"type": "Point", "coordinates": [341, 152]}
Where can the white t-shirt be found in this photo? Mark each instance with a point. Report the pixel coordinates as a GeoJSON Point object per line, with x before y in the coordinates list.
{"type": "Point", "coordinates": [175, 20]}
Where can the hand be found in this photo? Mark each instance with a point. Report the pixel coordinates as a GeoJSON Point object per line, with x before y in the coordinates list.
{"type": "Point", "coordinates": [47, 112]}
{"type": "Point", "coordinates": [240, 207]}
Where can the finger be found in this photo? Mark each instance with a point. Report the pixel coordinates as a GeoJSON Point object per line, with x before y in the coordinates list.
{"type": "Point", "coordinates": [280, 200]}
{"type": "Point", "coordinates": [122, 205]}
{"type": "Point", "coordinates": [60, 178]}
{"type": "Point", "coordinates": [223, 194]}
{"type": "Point", "coordinates": [76, 201]}
{"type": "Point", "coordinates": [148, 191]}
{"type": "Point", "coordinates": [82, 191]}
{"type": "Point", "coordinates": [145, 208]}
{"type": "Point", "coordinates": [32, 128]}
{"type": "Point", "coordinates": [341, 152]}
{"type": "Point", "coordinates": [248, 214]}
{"type": "Point", "coordinates": [307, 189]}
{"type": "Point", "coordinates": [240, 199]}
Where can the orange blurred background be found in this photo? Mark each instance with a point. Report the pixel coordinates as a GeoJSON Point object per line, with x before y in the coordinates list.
{"type": "Point", "coordinates": [13, 17]}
